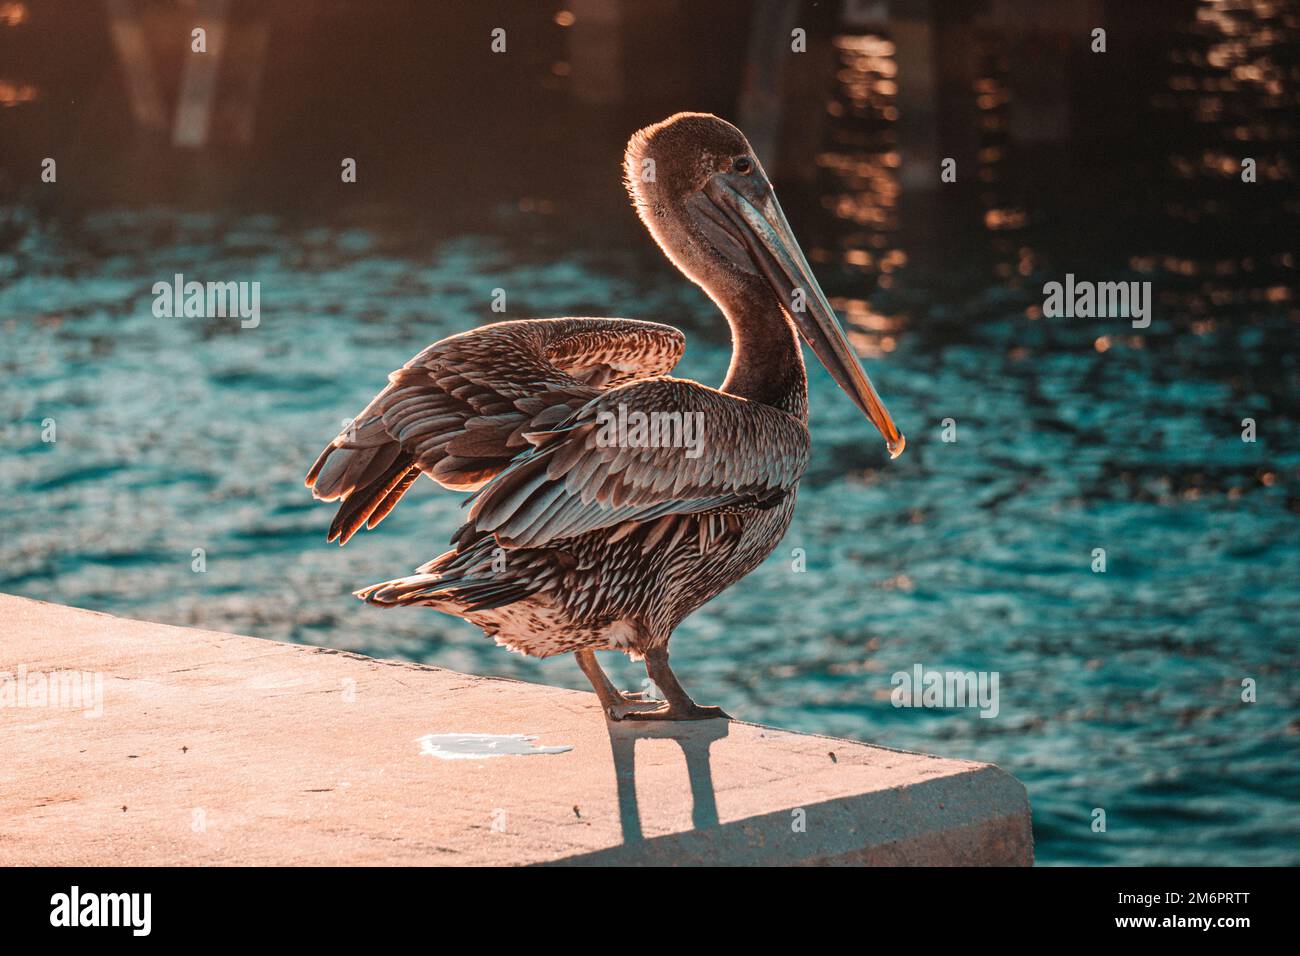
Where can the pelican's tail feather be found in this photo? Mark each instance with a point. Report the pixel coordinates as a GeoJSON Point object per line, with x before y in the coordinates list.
{"type": "Point", "coordinates": [453, 584]}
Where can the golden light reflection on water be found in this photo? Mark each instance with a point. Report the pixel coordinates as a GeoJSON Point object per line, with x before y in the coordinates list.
{"type": "Point", "coordinates": [860, 168]}
{"type": "Point", "coordinates": [992, 95]}
{"type": "Point", "coordinates": [871, 333]}
{"type": "Point", "coordinates": [16, 94]}
{"type": "Point", "coordinates": [12, 14]}
{"type": "Point", "coordinates": [1234, 47]}
{"type": "Point", "coordinates": [1230, 74]}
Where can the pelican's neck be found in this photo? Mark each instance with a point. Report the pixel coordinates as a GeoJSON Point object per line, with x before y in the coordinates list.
{"type": "Point", "coordinates": [766, 362]}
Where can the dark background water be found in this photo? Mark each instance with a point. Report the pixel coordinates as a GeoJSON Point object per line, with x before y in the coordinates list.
{"type": "Point", "coordinates": [476, 171]}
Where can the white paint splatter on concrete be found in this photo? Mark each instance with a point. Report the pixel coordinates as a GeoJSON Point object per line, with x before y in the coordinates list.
{"type": "Point", "coordinates": [479, 746]}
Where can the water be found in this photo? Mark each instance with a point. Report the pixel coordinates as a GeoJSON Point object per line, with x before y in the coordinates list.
{"type": "Point", "coordinates": [1118, 691]}
{"type": "Point", "coordinates": [186, 440]}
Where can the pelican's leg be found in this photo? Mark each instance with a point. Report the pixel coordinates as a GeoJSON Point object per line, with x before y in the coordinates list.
{"type": "Point", "coordinates": [678, 704]}
{"type": "Point", "coordinates": [617, 705]}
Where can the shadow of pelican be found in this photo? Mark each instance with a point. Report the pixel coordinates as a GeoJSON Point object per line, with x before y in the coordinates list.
{"type": "Point", "coordinates": [694, 738]}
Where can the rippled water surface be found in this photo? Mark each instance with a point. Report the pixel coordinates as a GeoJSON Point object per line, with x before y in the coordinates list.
{"type": "Point", "coordinates": [1118, 690]}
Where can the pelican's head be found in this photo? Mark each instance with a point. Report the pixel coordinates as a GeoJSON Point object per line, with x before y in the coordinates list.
{"type": "Point", "coordinates": [702, 193]}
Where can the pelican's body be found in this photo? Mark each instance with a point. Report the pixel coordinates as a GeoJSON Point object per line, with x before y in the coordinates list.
{"type": "Point", "coordinates": [583, 535]}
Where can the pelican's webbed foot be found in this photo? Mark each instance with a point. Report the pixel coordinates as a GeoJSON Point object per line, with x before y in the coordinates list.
{"type": "Point", "coordinates": [639, 705]}
{"type": "Point", "coordinates": [666, 711]}
{"type": "Point", "coordinates": [617, 704]}
{"type": "Point", "coordinates": [678, 704]}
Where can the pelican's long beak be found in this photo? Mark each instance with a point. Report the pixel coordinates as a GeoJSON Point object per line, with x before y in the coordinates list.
{"type": "Point", "coordinates": [752, 209]}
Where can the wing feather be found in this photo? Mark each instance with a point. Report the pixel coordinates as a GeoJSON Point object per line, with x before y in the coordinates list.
{"type": "Point", "coordinates": [464, 408]}
{"type": "Point", "coordinates": [579, 477]}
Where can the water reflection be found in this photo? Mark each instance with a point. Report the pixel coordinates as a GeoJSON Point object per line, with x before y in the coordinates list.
{"type": "Point", "coordinates": [858, 171]}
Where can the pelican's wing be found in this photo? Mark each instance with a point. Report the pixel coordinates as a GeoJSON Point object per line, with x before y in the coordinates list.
{"type": "Point", "coordinates": [597, 471]}
{"type": "Point", "coordinates": [459, 410]}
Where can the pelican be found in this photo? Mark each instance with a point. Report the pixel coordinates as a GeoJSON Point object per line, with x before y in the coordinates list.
{"type": "Point", "coordinates": [583, 535]}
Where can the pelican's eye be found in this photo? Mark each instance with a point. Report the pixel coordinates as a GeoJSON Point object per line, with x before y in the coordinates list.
{"type": "Point", "coordinates": [743, 165]}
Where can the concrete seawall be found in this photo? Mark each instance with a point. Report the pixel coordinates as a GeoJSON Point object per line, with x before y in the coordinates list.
{"type": "Point", "coordinates": [129, 743]}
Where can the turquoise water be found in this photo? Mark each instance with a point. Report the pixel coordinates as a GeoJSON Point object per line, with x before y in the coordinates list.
{"type": "Point", "coordinates": [1118, 690]}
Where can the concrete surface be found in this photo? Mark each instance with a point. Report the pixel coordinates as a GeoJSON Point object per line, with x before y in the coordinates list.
{"type": "Point", "coordinates": [212, 748]}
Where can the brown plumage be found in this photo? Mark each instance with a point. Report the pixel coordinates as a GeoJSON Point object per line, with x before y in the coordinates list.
{"type": "Point", "coordinates": [459, 410]}
{"type": "Point", "coordinates": [584, 534]}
